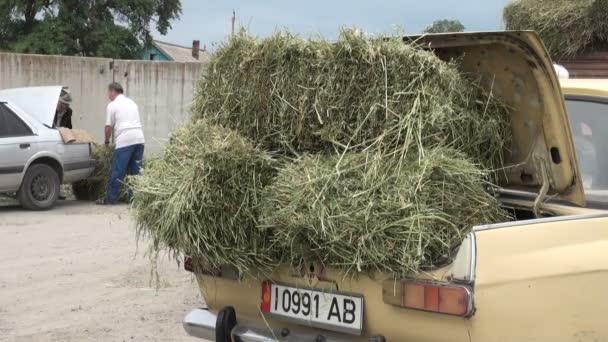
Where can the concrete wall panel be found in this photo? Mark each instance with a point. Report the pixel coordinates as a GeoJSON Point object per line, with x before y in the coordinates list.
{"type": "Point", "coordinates": [163, 90]}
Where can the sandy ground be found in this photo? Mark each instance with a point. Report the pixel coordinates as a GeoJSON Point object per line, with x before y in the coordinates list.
{"type": "Point", "coordinates": [75, 274]}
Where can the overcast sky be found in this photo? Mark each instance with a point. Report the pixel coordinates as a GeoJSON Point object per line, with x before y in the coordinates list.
{"type": "Point", "coordinates": [209, 20]}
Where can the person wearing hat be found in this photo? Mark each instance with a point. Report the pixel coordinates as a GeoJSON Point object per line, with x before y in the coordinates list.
{"type": "Point", "coordinates": [63, 113]}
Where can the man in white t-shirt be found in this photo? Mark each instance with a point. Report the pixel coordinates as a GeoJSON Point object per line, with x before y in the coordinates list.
{"type": "Point", "coordinates": [122, 120]}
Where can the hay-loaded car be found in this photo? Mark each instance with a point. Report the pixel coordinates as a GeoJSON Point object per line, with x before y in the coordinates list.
{"type": "Point", "coordinates": [538, 277]}
{"type": "Point", "coordinates": [34, 160]}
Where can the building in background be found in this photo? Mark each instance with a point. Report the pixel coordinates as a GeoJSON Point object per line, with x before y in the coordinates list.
{"type": "Point", "coordinates": [590, 65]}
{"type": "Point", "coordinates": [162, 51]}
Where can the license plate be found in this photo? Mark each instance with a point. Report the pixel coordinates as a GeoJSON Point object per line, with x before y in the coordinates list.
{"type": "Point", "coordinates": [327, 310]}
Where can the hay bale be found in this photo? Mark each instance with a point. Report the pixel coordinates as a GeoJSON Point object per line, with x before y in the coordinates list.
{"type": "Point", "coordinates": [95, 186]}
{"type": "Point", "coordinates": [567, 27]}
{"type": "Point", "coordinates": [201, 199]}
{"type": "Point", "coordinates": [295, 95]}
{"type": "Point", "coordinates": [410, 131]}
{"type": "Point", "coordinates": [367, 212]}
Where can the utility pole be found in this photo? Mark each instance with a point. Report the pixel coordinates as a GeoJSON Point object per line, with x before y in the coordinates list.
{"type": "Point", "coordinates": [233, 20]}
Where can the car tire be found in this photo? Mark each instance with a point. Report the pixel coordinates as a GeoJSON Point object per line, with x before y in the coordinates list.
{"type": "Point", "coordinates": [40, 188]}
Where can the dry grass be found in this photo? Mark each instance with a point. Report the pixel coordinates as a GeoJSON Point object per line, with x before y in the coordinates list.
{"type": "Point", "coordinates": [568, 27]}
{"type": "Point", "coordinates": [368, 212]}
{"type": "Point", "coordinates": [380, 158]}
{"type": "Point", "coordinates": [95, 186]}
{"type": "Point", "coordinates": [201, 199]}
{"type": "Point", "coordinates": [295, 95]}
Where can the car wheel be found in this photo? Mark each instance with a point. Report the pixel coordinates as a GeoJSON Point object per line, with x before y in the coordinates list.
{"type": "Point", "coordinates": [40, 188]}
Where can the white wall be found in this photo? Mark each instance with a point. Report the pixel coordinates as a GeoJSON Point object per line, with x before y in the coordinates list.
{"type": "Point", "coordinates": [163, 90]}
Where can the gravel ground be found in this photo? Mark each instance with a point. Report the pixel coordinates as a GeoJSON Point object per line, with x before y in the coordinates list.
{"type": "Point", "coordinates": [75, 273]}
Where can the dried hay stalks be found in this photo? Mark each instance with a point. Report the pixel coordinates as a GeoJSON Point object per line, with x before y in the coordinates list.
{"type": "Point", "coordinates": [367, 212]}
{"type": "Point", "coordinates": [567, 27]}
{"type": "Point", "coordinates": [381, 151]}
{"type": "Point", "coordinates": [95, 186]}
{"type": "Point", "coordinates": [295, 95]}
{"type": "Point", "coordinates": [201, 199]}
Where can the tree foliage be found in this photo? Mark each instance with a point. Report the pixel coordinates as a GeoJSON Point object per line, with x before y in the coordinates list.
{"type": "Point", "coordinates": [101, 28]}
{"type": "Point", "coordinates": [445, 25]}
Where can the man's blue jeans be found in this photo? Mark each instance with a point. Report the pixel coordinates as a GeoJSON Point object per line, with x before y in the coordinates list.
{"type": "Point", "coordinates": [123, 159]}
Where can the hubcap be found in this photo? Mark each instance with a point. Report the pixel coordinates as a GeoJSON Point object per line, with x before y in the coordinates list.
{"type": "Point", "coordinates": [41, 188]}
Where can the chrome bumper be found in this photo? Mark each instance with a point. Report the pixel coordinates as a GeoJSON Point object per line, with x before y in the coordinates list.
{"type": "Point", "coordinates": [201, 323]}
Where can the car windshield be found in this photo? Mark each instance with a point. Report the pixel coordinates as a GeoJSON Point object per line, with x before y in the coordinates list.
{"type": "Point", "coordinates": [589, 122]}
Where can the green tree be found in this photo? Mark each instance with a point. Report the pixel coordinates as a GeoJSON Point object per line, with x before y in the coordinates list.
{"type": "Point", "coordinates": [101, 28]}
{"type": "Point", "coordinates": [445, 25]}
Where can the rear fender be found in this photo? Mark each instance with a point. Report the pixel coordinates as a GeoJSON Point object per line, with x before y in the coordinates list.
{"type": "Point", "coordinates": [380, 317]}
{"type": "Point", "coordinates": [542, 280]}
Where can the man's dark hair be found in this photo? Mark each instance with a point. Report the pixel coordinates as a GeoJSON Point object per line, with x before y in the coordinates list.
{"type": "Point", "coordinates": [115, 86]}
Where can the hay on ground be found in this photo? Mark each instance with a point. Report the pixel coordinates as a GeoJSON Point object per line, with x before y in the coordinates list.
{"type": "Point", "coordinates": [201, 199]}
{"type": "Point", "coordinates": [95, 186]}
{"type": "Point", "coordinates": [567, 27]}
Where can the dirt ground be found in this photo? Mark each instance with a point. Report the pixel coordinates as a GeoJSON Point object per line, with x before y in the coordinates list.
{"type": "Point", "coordinates": [76, 274]}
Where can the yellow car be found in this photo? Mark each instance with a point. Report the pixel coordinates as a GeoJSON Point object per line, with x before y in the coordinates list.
{"type": "Point", "coordinates": [541, 277]}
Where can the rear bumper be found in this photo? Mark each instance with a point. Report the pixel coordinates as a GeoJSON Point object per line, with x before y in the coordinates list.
{"type": "Point", "coordinates": [202, 323]}
{"type": "Point", "coordinates": [74, 172]}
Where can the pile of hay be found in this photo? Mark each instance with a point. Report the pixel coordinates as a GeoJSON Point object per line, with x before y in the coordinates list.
{"type": "Point", "coordinates": [372, 212]}
{"type": "Point", "coordinates": [95, 186]}
{"type": "Point", "coordinates": [381, 158]}
{"type": "Point", "coordinates": [201, 199]}
{"type": "Point", "coordinates": [295, 95]}
{"type": "Point", "coordinates": [568, 27]}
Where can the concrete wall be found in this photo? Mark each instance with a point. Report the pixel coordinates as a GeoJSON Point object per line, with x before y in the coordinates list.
{"type": "Point", "coordinates": [163, 90]}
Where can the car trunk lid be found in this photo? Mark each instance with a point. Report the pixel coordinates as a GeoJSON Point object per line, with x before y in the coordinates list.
{"type": "Point", "coordinates": [39, 103]}
{"type": "Point", "coordinates": [516, 67]}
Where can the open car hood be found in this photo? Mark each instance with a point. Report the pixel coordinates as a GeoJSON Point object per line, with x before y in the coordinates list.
{"type": "Point", "coordinates": [38, 102]}
{"type": "Point", "coordinates": [517, 68]}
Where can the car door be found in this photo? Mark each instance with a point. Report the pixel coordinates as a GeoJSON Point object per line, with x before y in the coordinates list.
{"type": "Point", "coordinates": [17, 146]}
{"type": "Point", "coordinates": [588, 116]}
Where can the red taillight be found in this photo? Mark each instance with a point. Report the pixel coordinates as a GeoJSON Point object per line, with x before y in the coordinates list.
{"type": "Point", "coordinates": [188, 264]}
{"type": "Point", "coordinates": [441, 298]}
{"type": "Point", "coordinates": [266, 297]}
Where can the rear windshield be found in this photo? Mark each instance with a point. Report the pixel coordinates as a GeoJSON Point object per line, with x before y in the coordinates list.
{"type": "Point", "coordinates": [589, 122]}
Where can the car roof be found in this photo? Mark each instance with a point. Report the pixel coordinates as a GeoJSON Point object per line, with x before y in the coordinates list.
{"type": "Point", "coordinates": [582, 86]}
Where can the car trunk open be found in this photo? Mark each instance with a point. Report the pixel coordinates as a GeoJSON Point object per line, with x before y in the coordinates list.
{"type": "Point", "coordinates": [518, 70]}
{"type": "Point", "coordinates": [540, 161]}
{"type": "Point", "coordinates": [38, 102]}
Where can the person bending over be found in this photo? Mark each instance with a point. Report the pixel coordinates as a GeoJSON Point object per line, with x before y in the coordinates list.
{"type": "Point", "coordinates": [122, 121]}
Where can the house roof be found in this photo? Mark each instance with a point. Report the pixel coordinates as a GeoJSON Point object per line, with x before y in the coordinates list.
{"type": "Point", "coordinates": [180, 53]}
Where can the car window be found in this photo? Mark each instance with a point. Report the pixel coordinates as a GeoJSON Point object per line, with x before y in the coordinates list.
{"type": "Point", "coordinates": [589, 122]}
{"type": "Point", "coordinates": [11, 125]}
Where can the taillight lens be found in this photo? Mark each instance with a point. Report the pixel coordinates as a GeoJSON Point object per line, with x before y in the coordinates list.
{"type": "Point", "coordinates": [448, 299]}
{"type": "Point", "coordinates": [266, 297]}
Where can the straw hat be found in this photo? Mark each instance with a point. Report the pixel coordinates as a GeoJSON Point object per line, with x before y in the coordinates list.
{"type": "Point", "coordinates": [65, 97]}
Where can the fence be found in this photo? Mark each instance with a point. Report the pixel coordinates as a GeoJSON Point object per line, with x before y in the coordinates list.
{"type": "Point", "coordinates": [163, 90]}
